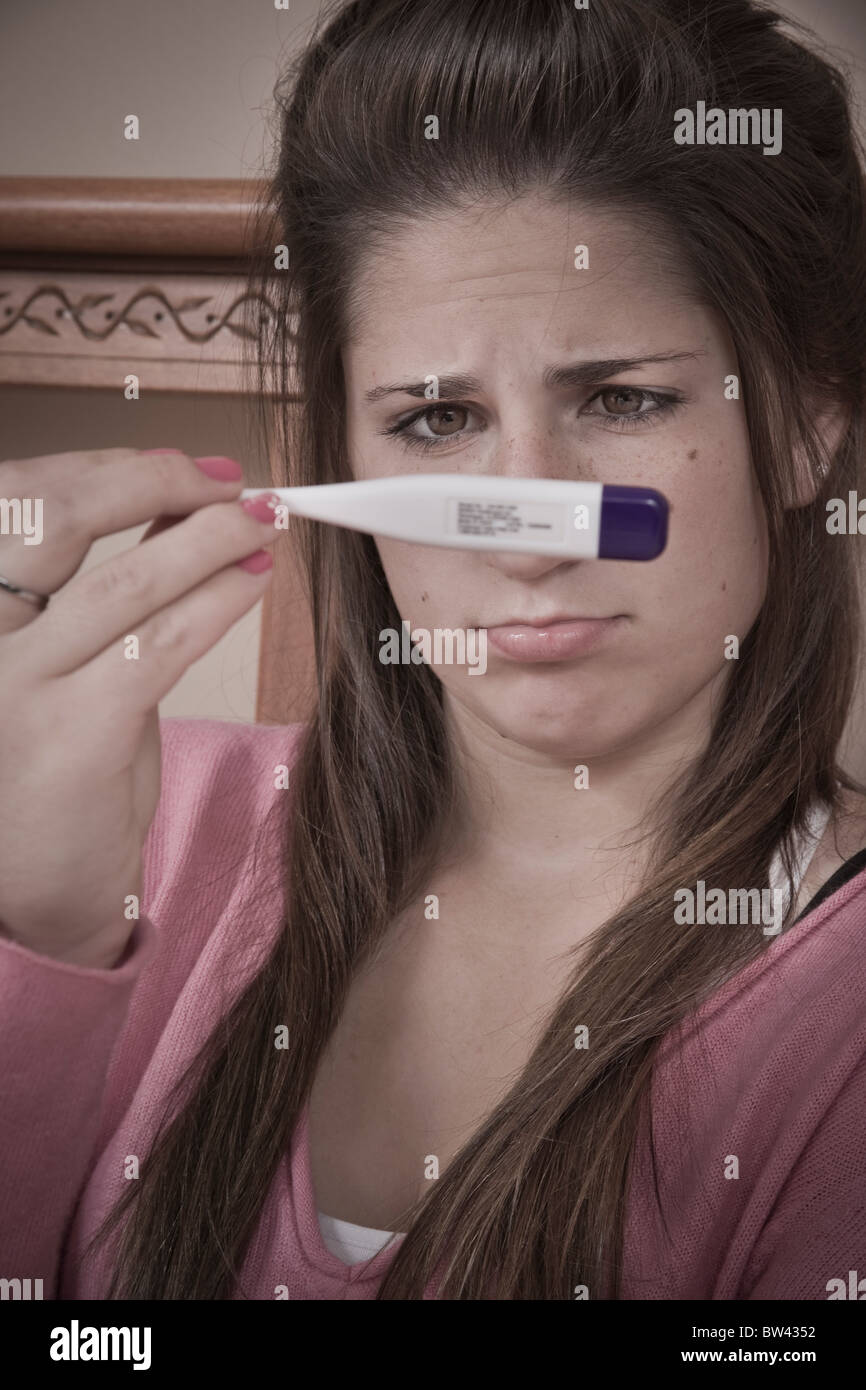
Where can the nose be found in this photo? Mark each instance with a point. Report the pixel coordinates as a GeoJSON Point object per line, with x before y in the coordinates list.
{"type": "Point", "coordinates": [536, 463]}
{"type": "Point", "coordinates": [526, 567]}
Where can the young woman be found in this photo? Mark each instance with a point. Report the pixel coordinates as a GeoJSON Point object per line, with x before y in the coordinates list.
{"type": "Point", "coordinates": [415, 1005]}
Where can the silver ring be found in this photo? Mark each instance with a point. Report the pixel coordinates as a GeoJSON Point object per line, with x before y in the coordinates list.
{"type": "Point", "coordinates": [41, 600]}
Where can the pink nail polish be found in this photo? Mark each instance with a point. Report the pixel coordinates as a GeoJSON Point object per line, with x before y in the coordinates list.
{"type": "Point", "coordinates": [261, 508]}
{"type": "Point", "coordinates": [256, 563]}
{"type": "Point", "coordinates": [225, 470]}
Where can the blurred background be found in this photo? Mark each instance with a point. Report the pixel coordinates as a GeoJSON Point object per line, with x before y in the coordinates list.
{"type": "Point", "coordinates": [199, 76]}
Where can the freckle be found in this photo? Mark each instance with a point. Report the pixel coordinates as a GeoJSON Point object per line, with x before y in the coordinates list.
{"type": "Point", "coordinates": [693, 454]}
{"type": "Point", "coordinates": [724, 585]}
{"type": "Point", "coordinates": [424, 598]}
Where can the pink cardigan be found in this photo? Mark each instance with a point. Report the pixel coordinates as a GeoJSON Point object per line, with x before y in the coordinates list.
{"type": "Point", "coordinates": [773, 1076]}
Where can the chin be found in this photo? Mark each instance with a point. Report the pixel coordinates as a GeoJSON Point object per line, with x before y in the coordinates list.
{"type": "Point", "coordinates": [563, 734]}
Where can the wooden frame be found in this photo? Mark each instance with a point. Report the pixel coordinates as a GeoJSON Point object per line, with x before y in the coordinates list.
{"type": "Point", "coordinates": [103, 278]}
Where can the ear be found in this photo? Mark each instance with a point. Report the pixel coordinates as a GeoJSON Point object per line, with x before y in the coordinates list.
{"type": "Point", "coordinates": [830, 427]}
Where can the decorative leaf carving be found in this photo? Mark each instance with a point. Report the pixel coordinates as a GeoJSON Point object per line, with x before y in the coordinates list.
{"type": "Point", "coordinates": [246, 310]}
{"type": "Point", "coordinates": [41, 325]}
{"type": "Point", "coordinates": [141, 328]}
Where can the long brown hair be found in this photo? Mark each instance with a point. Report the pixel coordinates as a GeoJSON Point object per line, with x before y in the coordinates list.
{"type": "Point", "coordinates": [577, 104]}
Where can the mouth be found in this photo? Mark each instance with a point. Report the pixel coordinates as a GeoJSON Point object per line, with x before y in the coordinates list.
{"type": "Point", "coordinates": [558, 638]}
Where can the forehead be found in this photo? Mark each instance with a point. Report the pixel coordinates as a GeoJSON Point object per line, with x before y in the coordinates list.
{"type": "Point", "coordinates": [438, 283]}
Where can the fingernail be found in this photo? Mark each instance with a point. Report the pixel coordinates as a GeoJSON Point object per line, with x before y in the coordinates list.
{"type": "Point", "coordinates": [223, 469]}
{"type": "Point", "coordinates": [257, 563]}
{"type": "Point", "coordinates": [161, 451]}
{"type": "Point", "coordinates": [262, 507]}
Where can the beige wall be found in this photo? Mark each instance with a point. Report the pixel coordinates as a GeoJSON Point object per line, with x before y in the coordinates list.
{"type": "Point", "coordinates": [199, 75]}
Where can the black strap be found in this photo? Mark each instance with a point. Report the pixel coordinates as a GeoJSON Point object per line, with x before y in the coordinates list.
{"type": "Point", "coordinates": [849, 869]}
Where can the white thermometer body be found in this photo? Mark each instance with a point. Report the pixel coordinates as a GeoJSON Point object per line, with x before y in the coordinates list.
{"type": "Point", "coordinates": [538, 516]}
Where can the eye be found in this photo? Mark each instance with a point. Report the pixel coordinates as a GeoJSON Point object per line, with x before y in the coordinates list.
{"type": "Point", "coordinates": [446, 415]}
{"type": "Point", "coordinates": [624, 406]}
{"type": "Point", "coordinates": [620, 400]}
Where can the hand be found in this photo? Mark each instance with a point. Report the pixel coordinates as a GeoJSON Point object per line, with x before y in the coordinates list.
{"type": "Point", "coordinates": [79, 728]}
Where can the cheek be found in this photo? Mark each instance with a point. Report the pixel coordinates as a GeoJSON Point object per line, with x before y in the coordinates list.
{"type": "Point", "coordinates": [723, 532]}
{"type": "Point", "coordinates": [422, 579]}
{"type": "Point", "coordinates": [711, 581]}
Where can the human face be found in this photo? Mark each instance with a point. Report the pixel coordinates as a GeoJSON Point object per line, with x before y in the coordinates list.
{"type": "Point", "coordinates": [495, 294]}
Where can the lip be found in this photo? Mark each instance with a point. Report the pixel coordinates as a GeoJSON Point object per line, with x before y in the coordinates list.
{"type": "Point", "coordinates": [551, 639]}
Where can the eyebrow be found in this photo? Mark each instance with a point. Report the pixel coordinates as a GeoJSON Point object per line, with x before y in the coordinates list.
{"type": "Point", "coordinates": [554, 378]}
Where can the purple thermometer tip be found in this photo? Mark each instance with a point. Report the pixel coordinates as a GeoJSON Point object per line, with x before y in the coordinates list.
{"type": "Point", "coordinates": [634, 523]}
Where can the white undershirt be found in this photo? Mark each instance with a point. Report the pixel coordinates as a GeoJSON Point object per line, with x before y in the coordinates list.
{"type": "Point", "coordinates": [352, 1244]}
{"type": "Point", "coordinates": [805, 844]}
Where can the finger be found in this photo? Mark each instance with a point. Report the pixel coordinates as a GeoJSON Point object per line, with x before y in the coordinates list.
{"type": "Point", "coordinates": [127, 679]}
{"type": "Point", "coordinates": [79, 497]}
{"type": "Point", "coordinates": [16, 610]}
{"type": "Point", "coordinates": [101, 606]}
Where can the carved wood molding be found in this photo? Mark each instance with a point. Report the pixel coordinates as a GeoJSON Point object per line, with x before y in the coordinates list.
{"type": "Point", "coordinates": [103, 278]}
{"type": "Point", "coordinates": [174, 332]}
